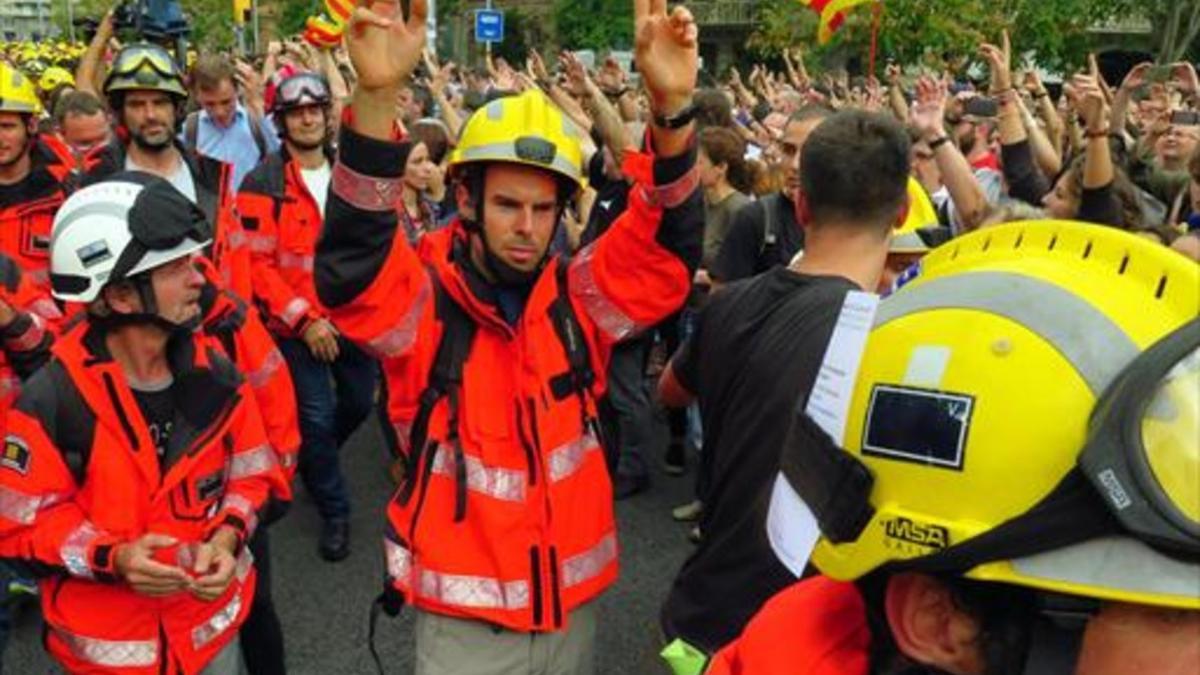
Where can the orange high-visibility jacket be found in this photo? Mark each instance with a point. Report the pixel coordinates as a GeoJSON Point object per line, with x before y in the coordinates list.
{"type": "Point", "coordinates": [815, 627]}
{"type": "Point", "coordinates": [79, 475]}
{"type": "Point", "coordinates": [282, 222]}
{"type": "Point", "coordinates": [245, 340]}
{"type": "Point", "coordinates": [27, 218]}
{"type": "Point", "coordinates": [507, 515]}
{"type": "Point", "coordinates": [25, 342]}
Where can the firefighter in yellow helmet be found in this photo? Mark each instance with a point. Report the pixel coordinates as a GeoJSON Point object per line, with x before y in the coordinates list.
{"type": "Point", "coordinates": [1018, 490]}
{"type": "Point", "coordinates": [504, 540]}
{"type": "Point", "coordinates": [32, 174]}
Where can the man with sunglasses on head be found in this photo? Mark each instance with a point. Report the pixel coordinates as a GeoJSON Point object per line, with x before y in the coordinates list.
{"type": "Point", "coordinates": [282, 206]}
{"type": "Point", "coordinates": [146, 93]}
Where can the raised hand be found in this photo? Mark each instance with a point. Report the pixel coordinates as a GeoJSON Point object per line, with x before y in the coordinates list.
{"type": "Point", "coordinates": [928, 114]}
{"type": "Point", "coordinates": [537, 67]}
{"type": "Point", "coordinates": [384, 48]}
{"type": "Point", "coordinates": [1184, 74]}
{"type": "Point", "coordinates": [1136, 76]}
{"type": "Point", "coordinates": [667, 53]}
{"type": "Point", "coordinates": [1089, 102]}
{"type": "Point", "coordinates": [999, 60]}
{"type": "Point", "coordinates": [577, 75]}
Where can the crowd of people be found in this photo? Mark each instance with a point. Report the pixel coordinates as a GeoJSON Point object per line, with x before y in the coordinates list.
{"type": "Point", "coordinates": [930, 344]}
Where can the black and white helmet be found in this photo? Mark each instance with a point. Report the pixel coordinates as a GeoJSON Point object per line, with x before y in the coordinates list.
{"type": "Point", "coordinates": [119, 228]}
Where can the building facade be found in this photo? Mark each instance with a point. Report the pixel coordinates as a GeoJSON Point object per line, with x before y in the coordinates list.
{"type": "Point", "coordinates": [25, 19]}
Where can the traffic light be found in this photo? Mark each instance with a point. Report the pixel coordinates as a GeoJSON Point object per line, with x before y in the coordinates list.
{"type": "Point", "coordinates": [241, 11]}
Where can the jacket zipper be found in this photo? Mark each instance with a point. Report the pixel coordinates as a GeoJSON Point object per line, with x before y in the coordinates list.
{"type": "Point", "coordinates": [530, 461]}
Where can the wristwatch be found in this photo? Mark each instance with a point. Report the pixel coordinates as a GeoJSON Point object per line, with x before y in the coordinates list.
{"type": "Point", "coordinates": [678, 120]}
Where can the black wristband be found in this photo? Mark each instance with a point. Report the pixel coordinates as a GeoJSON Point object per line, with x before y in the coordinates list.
{"type": "Point", "coordinates": [678, 120]}
{"type": "Point", "coordinates": [938, 142]}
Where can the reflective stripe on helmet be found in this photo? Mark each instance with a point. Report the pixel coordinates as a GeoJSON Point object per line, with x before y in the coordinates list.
{"type": "Point", "coordinates": [1091, 341]}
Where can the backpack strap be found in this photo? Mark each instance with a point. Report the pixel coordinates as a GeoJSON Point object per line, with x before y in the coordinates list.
{"type": "Point", "coordinates": [580, 378]}
{"type": "Point", "coordinates": [191, 131]}
{"type": "Point", "coordinates": [257, 132]}
{"type": "Point", "coordinates": [445, 381]}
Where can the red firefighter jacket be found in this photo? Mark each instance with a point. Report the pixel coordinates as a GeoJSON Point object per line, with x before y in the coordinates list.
{"type": "Point", "coordinates": [506, 515]}
{"type": "Point", "coordinates": [81, 476]}
{"type": "Point", "coordinates": [815, 627]}
{"type": "Point", "coordinates": [245, 340]}
{"type": "Point", "coordinates": [282, 222]}
{"type": "Point", "coordinates": [27, 217]}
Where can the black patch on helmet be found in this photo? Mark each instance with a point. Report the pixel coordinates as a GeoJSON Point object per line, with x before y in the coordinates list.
{"type": "Point", "coordinates": [917, 425]}
{"type": "Point", "coordinates": [94, 253]}
{"type": "Point", "coordinates": [536, 150]}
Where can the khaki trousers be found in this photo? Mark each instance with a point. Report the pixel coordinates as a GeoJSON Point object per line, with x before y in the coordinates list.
{"type": "Point", "coordinates": [451, 646]}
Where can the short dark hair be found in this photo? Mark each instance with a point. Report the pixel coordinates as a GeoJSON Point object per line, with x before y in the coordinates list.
{"type": "Point", "coordinates": [855, 169]}
{"type": "Point", "coordinates": [76, 103]}
{"type": "Point", "coordinates": [713, 109]}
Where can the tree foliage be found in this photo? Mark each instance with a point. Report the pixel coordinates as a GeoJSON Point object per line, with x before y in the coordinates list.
{"type": "Point", "coordinates": [933, 32]}
{"type": "Point", "coordinates": [594, 24]}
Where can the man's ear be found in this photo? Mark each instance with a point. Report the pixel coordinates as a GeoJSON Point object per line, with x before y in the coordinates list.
{"type": "Point", "coordinates": [466, 205]}
{"type": "Point", "coordinates": [122, 298]}
{"type": "Point", "coordinates": [803, 213]}
{"type": "Point", "coordinates": [903, 215]}
{"type": "Point", "coordinates": [929, 627]}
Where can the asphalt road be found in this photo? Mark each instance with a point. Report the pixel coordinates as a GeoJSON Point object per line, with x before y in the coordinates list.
{"type": "Point", "coordinates": [324, 606]}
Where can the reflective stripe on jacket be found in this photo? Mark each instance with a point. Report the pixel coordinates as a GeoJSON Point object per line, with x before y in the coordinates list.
{"type": "Point", "coordinates": [244, 339]}
{"type": "Point", "coordinates": [282, 222]}
{"type": "Point", "coordinates": [508, 517]}
{"type": "Point", "coordinates": [82, 476]}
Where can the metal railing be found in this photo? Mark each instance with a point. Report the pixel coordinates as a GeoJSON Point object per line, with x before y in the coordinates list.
{"type": "Point", "coordinates": [723, 12]}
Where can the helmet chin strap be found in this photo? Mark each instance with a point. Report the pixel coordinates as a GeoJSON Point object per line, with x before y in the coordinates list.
{"type": "Point", "coordinates": [495, 267]}
{"type": "Point", "coordinates": [149, 316]}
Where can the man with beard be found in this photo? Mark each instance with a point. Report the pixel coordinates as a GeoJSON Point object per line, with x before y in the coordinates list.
{"type": "Point", "coordinates": [282, 203]}
{"type": "Point", "coordinates": [146, 93]}
{"type": "Point", "coordinates": [32, 178]}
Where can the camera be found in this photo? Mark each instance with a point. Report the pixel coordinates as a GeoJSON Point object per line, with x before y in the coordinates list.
{"type": "Point", "coordinates": [159, 21]}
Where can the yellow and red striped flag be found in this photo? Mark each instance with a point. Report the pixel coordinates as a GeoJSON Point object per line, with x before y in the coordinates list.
{"type": "Point", "coordinates": [833, 13]}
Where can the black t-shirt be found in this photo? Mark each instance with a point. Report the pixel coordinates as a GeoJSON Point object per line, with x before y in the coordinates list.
{"type": "Point", "coordinates": [753, 358]}
{"type": "Point", "coordinates": [612, 196]}
{"type": "Point", "coordinates": [745, 252]}
{"type": "Point", "coordinates": [158, 408]}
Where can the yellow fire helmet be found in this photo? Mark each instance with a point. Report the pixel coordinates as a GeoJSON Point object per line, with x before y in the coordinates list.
{"type": "Point", "coordinates": [914, 236]}
{"type": "Point", "coordinates": [54, 77]}
{"type": "Point", "coordinates": [145, 66]}
{"type": "Point", "coordinates": [1025, 413]}
{"type": "Point", "coordinates": [525, 129]}
{"type": "Point", "coordinates": [17, 94]}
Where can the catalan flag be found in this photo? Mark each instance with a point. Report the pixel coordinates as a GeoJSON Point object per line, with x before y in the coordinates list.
{"type": "Point", "coordinates": [833, 13]}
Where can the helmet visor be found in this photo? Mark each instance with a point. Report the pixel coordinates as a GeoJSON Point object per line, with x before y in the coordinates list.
{"type": "Point", "coordinates": [136, 59]}
{"type": "Point", "coordinates": [1170, 434]}
{"type": "Point", "coordinates": [301, 89]}
{"type": "Point", "coordinates": [1143, 453]}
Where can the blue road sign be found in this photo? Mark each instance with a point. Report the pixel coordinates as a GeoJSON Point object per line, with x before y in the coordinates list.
{"type": "Point", "coordinates": [489, 25]}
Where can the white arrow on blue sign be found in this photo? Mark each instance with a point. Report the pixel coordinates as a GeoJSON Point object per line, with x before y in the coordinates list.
{"type": "Point", "coordinates": [489, 25]}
